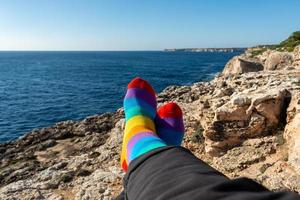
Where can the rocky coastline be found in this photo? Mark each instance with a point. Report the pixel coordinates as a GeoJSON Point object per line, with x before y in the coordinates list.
{"type": "Point", "coordinates": [212, 50]}
{"type": "Point", "coordinates": [245, 122]}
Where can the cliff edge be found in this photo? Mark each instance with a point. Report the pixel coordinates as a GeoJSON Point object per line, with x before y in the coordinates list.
{"type": "Point", "coordinates": [245, 122]}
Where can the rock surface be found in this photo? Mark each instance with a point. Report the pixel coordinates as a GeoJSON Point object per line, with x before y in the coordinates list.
{"type": "Point", "coordinates": [242, 124]}
{"type": "Point", "coordinates": [267, 60]}
{"type": "Point", "coordinates": [240, 65]}
{"type": "Point", "coordinates": [246, 115]}
{"type": "Point", "coordinates": [278, 60]}
{"type": "Point", "coordinates": [292, 131]}
{"type": "Point", "coordinates": [296, 62]}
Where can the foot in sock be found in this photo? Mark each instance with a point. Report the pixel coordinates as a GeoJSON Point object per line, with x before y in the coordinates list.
{"type": "Point", "coordinates": [169, 124]}
{"type": "Point", "coordinates": [140, 133]}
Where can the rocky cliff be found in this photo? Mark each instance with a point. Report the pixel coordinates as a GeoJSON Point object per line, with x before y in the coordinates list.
{"type": "Point", "coordinates": [216, 50]}
{"type": "Point", "coordinates": [245, 122]}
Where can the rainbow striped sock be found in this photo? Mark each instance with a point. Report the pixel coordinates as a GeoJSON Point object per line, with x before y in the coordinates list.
{"type": "Point", "coordinates": [140, 132]}
{"type": "Point", "coordinates": [169, 124]}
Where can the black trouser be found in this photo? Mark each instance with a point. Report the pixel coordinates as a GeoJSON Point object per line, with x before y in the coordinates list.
{"type": "Point", "coordinates": [172, 173]}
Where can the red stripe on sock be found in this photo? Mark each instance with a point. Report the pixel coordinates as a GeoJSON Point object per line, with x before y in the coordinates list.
{"type": "Point", "coordinates": [140, 83]}
{"type": "Point", "coordinates": [125, 166]}
{"type": "Point", "coordinates": [169, 110]}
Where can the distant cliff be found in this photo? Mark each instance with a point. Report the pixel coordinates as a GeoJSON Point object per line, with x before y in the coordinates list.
{"type": "Point", "coordinates": [207, 50]}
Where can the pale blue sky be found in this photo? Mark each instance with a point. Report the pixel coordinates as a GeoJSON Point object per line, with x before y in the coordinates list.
{"type": "Point", "coordinates": [144, 24]}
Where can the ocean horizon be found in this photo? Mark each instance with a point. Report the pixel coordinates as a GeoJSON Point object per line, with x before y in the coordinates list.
{"type": "Point", "coordinates": [40, 88]}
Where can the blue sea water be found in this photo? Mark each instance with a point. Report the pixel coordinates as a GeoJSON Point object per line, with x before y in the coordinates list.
{"type": "Point", "coordinates": [38, 89]}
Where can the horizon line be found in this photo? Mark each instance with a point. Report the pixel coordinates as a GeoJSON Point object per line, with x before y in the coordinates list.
{"type": "Point", "coordinates": [78, 50]}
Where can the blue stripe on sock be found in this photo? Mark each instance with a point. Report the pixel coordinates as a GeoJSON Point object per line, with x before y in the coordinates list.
{"type": "Point", "coordinates": [170, 136]}
{"type": "Point", "coordinates": [145, 145]}
{"type": "Point", "coordinates": [150, 147]}
{"type": "Point", "coordinates": [138, 110]}
{"type": "Point", "coordinates": [133, 102]}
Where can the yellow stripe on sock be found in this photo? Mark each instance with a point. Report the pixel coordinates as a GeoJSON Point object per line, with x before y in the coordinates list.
{"type": "Point", "coordinates": [134, 125]}
{"type": "Point", "coordinates": [135, 130]}
{"type": "Point", "coordinates": [123, 153]}
{"type": "Point", "coordinates": [139, 120]}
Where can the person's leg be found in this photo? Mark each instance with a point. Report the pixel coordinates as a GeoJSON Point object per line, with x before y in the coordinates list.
{"type": "Point", "coordinates": [161, 172]}
{"type": "Point", "coordinates": [140, 132]}
{"type": "Point", "coordinates": [169, 124]}
{"type": "Point", "coordinates": [173, 173]}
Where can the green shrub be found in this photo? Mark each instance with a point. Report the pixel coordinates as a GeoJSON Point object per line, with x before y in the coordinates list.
{"type": "Point", "coordinates": [290, 43]}
{"type": "Point", "coordinates": [258, 52]}
{"type": "Point", "coordinates": [287, 45]}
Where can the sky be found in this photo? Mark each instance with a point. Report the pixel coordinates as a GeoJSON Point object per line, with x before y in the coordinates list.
{"type": "Point", "coordinates": [144, 24]}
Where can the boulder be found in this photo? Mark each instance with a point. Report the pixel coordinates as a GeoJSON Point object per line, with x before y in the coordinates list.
{"type": "Point", "coordinates": [251, 151]}
{"type": "Point", "coordinates": [263, 57]}
{"type": "Point", "coordinates": [245, 116]}
{"type": "Point", "coordinates": [278, 60]}
{"type": "Point", "coordinates": [292, 131]}
{"type": "Point", "coordinates": [240, 65]}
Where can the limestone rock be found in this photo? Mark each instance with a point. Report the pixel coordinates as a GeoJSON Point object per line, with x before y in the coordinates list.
{"type": "Point", "coordinates": [263, 57]}
{"type": "Point", "coordinates": [250, 152]}
{"type": "Point", "coordinates": [292, 131]}
{"type": "Point", "coordinates": [245, 116]}
{"type": "Point", "coordinates": [278, 60]}
{"type": "Point", "coordinates": [296, 52]}
{"type": "Point", "coordinates": [93, 187]}
{"type": "Point", "coordinates": [239, 118]}
{"type": "Point", "coordinates": [239, 65]}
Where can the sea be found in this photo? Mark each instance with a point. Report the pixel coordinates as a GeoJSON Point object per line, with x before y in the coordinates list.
{"type": "Point", "coordinates": [38, 89]}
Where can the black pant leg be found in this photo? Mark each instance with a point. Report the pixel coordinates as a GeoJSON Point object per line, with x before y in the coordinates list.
{"type": "Point", "coordinates": [173, 173]}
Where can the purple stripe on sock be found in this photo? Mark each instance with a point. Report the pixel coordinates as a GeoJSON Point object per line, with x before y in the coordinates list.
{"type": "Point", "coordinates": [142, 94]}
{"type": "Point", "coordinates": [135, 139]}
{"type": "Point", "coordinates": [172, 123]}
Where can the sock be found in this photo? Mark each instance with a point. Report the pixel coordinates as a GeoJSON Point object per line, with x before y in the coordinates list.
{"type": "Point", "coordinates": [140, 133]}
{"type": "Point", "coordinates": [169, 124]}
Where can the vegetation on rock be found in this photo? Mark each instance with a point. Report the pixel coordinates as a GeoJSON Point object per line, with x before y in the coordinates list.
{"type": "Point", "coordinates": [290, 43]}
{"type": "Point", "coordinates": [287, 45]}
